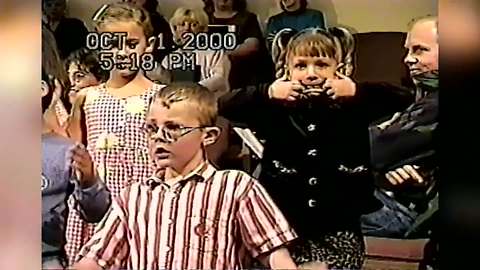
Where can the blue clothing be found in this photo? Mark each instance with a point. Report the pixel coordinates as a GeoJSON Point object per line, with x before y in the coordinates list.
{"type": "Point", "coordinates": [57, 186]}
{"type": "Point", "coordinates": [394, 220]}
{"type": "Point", "coordinates": [295, 20]}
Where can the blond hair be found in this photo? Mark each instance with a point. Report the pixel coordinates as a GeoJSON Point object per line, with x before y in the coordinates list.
{"type": "Point", "coordinates": [425, 18]}
{"type": "Point", "coordinates": [124, 12]}
{"type": "Point", "coordinates": [182, 14]}
{"type": "Point", "coordinates": [201, 98]}
{"type": "Point", "coordinates": [336, 42]}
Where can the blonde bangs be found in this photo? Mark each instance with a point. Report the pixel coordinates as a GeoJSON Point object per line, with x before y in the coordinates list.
{"type": "Point", "coordinates": [316, 45]}
{"type": "Point", "coordinates": [125, 12]}
{"type": "Point", "coordinates": [182, 15]}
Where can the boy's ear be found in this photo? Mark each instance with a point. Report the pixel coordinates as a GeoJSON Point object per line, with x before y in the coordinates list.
{"type": "Point", "coordinates": [150, 45]}
{"type": "Point", "coordinates": [211, 135]}
{"type": "Point", "coordinates": [45, 88]}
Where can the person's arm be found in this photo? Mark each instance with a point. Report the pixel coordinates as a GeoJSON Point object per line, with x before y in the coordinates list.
{"type": "Point", "coordinates": [74, 124]}
{"type": "Point", "coordinates": [244, 104]}
{"type": "Point", "coordinates": [62, 113]}
{"type": "Point", "coordinates": [248, 47]}
{"type": "Point", "coordinates": [108, 248]}
{"type": "Point", "coordinates": [376, 100]}
{"type": "Point", "coordinates": [370, 101]}
{"type": "Point", "coordinates": [216, 72]}
{"type": "Point", "coordinates": [91, 196]}
{"type": "Point", "coordinates": [92, 202]}
{"type": "Point", "coordinates": [253, 103]}
{"type": "Point", "coordinates": [278, 259]}
{"type": "Point", "coordinates": [264, 230]}
{"type": "Point", "coordinates": [251, 34]}
{"type": "Point", "coordinates": [56, 115]}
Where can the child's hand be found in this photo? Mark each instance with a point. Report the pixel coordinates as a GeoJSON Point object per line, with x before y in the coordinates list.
{"type": "Point", "coordinates": [285, 90]}
{"type": "Point", "coordinates": [58, 89]}
{"type": "Point", "coordinates": [83, 165]}
{"type": "Point", "coordinates": [78, 100]}
{"type": "Point", "coordinates": [342, 86]}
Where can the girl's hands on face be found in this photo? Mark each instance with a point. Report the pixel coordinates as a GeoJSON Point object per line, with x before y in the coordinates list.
{"type": "Point", "coordinates": [283, 89]}
{"type": "Point", "coordinates": [341, 86]}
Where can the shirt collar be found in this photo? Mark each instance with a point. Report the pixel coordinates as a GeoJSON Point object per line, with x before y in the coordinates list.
{"type": "Point", "coordinates": [201, 173]}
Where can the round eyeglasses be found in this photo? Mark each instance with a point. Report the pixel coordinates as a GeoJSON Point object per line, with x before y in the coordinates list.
{"type": "Point", "coordinates": [169, 133]}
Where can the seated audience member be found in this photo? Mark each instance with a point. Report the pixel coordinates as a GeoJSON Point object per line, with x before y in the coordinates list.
{"type": "Point", "coordinates": [250, 59]}
{"type": "Point", "coordinates": [70, 33]}
{"type": "Point", "coordinates": [405, 148]}
{"type": "Point", "coordinates": [213, 64]}
{"type": "Point", "coordinates": [404, 201]}
{"type": "Point", "coordinates": [294, 15]}
{"type": "Point", "coordinates": [188, 214]}
{"type": "Point", "coordinates": [84, 70]}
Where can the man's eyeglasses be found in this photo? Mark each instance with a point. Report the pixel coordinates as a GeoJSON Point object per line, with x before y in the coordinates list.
{"type": "Point", "coordinates": [169, 133]}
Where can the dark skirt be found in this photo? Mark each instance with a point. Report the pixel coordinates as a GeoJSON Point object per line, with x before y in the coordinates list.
{"type": "Point", "coordinates": [340, 250]}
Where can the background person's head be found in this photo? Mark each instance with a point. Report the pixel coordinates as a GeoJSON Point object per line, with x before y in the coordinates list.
{"type": "Point", "coordinates": [314, 55]}
{"type": "Point", "coordinates": [180, 124]}
{"type": "Point", "coordinates": [149, 5]}
{"type": "Point", "coordinates": [185, 20]}
{"type": "Point", "coordinates": [84, 70]}
{"type": "Point", "coordinates": [224, 5]}
{"type": "Point", "coordinates": [135, 22]}
{"type": "Point", "coordinates": [422, 46]}
{"type": "Point", "coordinates": [293, 5]}
{"type": "Point", "coordinates": [54, 10]}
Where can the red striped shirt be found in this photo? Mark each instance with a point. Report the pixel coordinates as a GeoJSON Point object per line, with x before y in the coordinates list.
{"type": "Point", "coordinates": [208, 220]}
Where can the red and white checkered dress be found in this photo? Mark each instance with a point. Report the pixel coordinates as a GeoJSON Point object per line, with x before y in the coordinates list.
{"type": "Point", "coordinates": [118, 145]}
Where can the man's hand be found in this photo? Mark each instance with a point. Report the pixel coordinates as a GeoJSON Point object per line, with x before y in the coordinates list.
{"type": "Point", "coordinates": [285, 90]}
{"type": "Point", "coordinates": [387, 123]}
{"type": "Point", "coordinates": [405, 173]}
{"type": "Point", "coordinates": [342, 86]}
{"type": "Point", "coordinates": [83, 165]}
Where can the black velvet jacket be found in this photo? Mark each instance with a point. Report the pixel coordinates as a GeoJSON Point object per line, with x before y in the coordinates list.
{"type": "Point", "coordinates": [313, 153]}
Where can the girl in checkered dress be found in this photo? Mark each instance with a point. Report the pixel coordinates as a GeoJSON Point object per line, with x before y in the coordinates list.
{"type": "Point", "coordinates": [115, 113]}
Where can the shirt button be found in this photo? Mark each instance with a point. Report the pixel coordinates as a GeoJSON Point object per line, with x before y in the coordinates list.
{"type": "Point", "coordinates": [312, 203]}
{"type": "Point", "coordinates": [312, 152]}
{"type": "Point", "coordinates": [313, 181]}
{"type": "Point", "coordinates": [311, 127]}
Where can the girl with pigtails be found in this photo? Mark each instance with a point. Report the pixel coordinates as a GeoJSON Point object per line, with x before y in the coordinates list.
{"type": "Point", "coordinates": [314, 120]}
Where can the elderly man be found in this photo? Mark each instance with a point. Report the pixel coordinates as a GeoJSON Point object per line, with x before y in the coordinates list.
{"type": "Point", "coordinates": [403, 149]}
{"type": "Point", "coordinates": [400, 212]}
